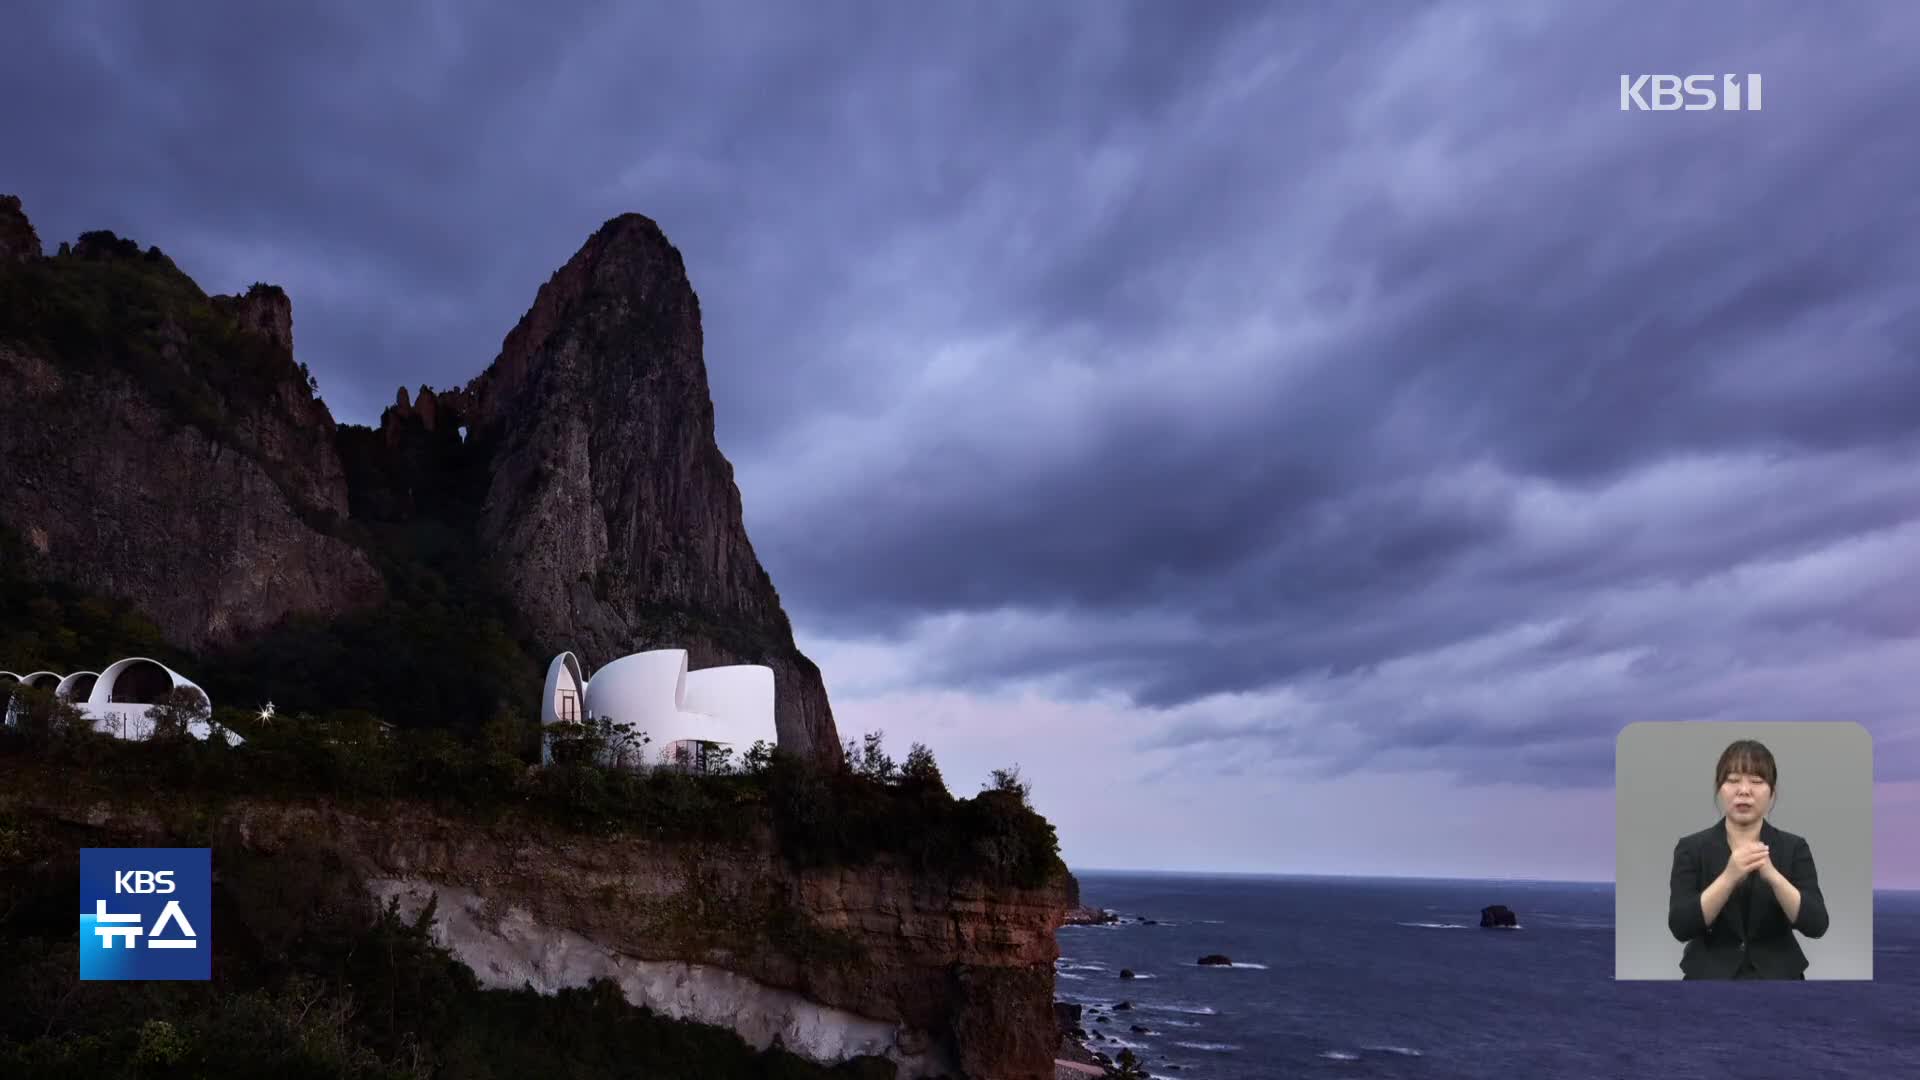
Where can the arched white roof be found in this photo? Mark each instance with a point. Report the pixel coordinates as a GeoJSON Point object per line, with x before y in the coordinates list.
{"type": "Point", "coordinates": [72, 683]}
{"type": "Point", "coordinates": [9, 675]}
{"type": "Point", "coordinates": [563, 675]}
{"type": "Point", "coordinates": [640, 687]}
{"type": "Point", "coordinates": [48, 679]}
{"type": "Point", "coordinates": [738, 698]}
{"type": "Point", "coordinates": [129, 719]}
{"type": "Point", "coordinates": [103, 686]}
{"type": "Point", "coordinates": [655, 693]}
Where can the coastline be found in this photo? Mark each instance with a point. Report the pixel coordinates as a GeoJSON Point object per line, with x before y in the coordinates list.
{"type": "Point", "coordinates": [1073, 1059]}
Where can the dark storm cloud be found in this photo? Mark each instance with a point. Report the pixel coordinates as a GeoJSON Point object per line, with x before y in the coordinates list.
{"type": "Point", "coordinates": [1176, 350]}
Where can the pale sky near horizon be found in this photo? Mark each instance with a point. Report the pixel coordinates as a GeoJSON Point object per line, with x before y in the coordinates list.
{"type": "Point", "coordinates": [1300, 436]}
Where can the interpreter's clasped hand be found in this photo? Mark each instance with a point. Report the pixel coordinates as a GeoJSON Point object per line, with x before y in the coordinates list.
{"type": "Point", "coordinates": [1750, 858]}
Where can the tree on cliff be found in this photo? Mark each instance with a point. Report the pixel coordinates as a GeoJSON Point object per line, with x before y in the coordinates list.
{"type": "Point", "coordinates": [920, 771]}
{"type": "Point", "coordinates": [43, 716]}
{"type": "Point", "coordinates": [1009, 781]}
{"type": "Point", "coordinates": [176, 713]}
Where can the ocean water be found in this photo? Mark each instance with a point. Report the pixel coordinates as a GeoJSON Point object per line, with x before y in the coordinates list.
{"type": "Point", "coordinates": [1348, 977]}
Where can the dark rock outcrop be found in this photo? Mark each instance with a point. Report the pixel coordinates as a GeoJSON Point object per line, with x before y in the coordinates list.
{"type": "Point", "coordinates": [1088, 916]}
{"type": "Point", "coordinates": [209, 504]}
{"type": "Point", "coordinates": [1126, 973]}
{"type": "Point", "coordinates": [1066, 1018]}
{"type": "Point", "coordinates": [186, 465]}
{"type": "Point", "coordinates": [1498, 915]}
{"type": "Point", "coordinates": [18, 241]}
{"type": "Point", "coordinates": [613, 517]}
{"type": "Point", "coordinates": [1215, 960]}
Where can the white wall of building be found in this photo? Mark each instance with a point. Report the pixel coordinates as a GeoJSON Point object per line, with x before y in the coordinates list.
{"type": "Point", "coordinates": [655, 693]}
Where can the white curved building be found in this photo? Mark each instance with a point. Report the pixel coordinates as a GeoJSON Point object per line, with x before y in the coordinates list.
{"type": "Point", "coordinates": [119, 699]}
{"type": "Point", "coordinates": [45, 680]}
{"type": "Point", "coordinates": [735, 703]}
{"type": "Point", "coordinates": [566, 693]}
{"type": "Point", "coordinates": [77, 686]}
{"type": "Point", "coordinates": [126, 691]}
{"type": "Point", "coordinates": [677, 710]}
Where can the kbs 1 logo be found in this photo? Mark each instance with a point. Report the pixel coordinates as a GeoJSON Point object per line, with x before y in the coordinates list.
{"type": "Point", "coordinates": [1694, 93]}
{"type": "Point", "coordinates": [146, 913]}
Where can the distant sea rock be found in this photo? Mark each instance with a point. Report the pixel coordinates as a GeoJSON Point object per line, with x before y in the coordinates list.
{"type": "Point", "coordinates": [1089, 916]}
{"type": "Point", "coordinates": [1126, 973]}
{"type": "Point", "coordinates": [1215, 960]}
{"type": "Point", "coordinates": [1500, 916]}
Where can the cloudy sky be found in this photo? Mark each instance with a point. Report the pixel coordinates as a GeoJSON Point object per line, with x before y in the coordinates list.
{"type": "Point", "coordinates": [1300, 436]}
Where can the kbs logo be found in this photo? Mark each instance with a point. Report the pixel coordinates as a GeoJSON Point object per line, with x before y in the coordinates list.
{"type": "Point", "coordinates": [146, 913]}
{"type": "Point", "coordinates": [143, 881]}
{"type": "Point", "coordinates": [1694, 93]}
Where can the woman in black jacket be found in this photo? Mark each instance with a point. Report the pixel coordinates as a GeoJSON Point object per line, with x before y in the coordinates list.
{"type": "Point", "coordinates": [1742, 887]}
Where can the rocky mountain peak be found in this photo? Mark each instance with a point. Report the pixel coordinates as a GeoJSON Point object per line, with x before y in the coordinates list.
{"type": "Point", "coordinates": [627, 265]}
{"type": "Point", "coordinates": [266, 310]}
{"type": "Point", "coordinates": [599, 409]}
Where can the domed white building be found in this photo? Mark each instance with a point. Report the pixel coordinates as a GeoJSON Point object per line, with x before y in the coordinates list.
{"type": "Point", "coordinates": [680, 712]}
{"type": "Point", "coordinates": [118, 700]}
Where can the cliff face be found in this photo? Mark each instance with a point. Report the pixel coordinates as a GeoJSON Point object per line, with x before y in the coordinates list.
{"type": "Point", "coordinates": [161, 446]}
{"type": "Point", "coordinates": [164, 448]}
{"type": "Point", "coordinates": [939, 975]}
{"type": "Point", "coordinates": [612, 514]}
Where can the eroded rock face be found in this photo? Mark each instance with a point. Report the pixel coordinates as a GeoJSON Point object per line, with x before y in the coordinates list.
{"type": "Point", "coordinates": [613, 514]}
{"type": "Point", "coordinates": [213, 538]}
{"type": "Point", "coordinates": [196, 533]}
{"type": "Point", "coordinates": [939, 974]}
{"type": "Point", "coordinates": [266, 310]}
{"type": "Point", "coordinates": [508, 949]}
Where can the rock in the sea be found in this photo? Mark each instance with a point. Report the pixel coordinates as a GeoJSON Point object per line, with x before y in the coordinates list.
{"type": "Point", "coordinates": [1149, 922]}
{"type": "Point", "coordinates": [1126, 973]}
{"type": "Point", "coordinates": [1140, 1029]}
{"type": "Point", "coordinates": [1498, 915]}
{"type": "Point", "coordinates": [1066, 1016]}
{"type": "Point", "coordinates": [1215, 960]}
{"type": "Point", "coordinates": [1123, 1005]}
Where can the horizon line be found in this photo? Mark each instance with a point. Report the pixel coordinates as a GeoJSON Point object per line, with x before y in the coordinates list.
{"type": "Point", "coordinates": [1077, 870]}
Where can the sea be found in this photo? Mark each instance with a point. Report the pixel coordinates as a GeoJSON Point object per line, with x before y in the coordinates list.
{"type": "Point", "coordinates": [1395, 979]}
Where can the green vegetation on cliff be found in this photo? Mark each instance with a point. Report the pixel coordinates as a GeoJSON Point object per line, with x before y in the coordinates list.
{"type": "Point", "coordinates": [103, 304]}
{"type": "Point", "coordinates": [871, 809]}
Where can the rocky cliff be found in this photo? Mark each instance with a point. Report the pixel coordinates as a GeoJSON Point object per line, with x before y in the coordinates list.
{"type": "Point", "coordinates": [939, 975]}
{"type": "Point", "coordinates": [164, 447]}
{"type": "Point", "coordinates": [611, 511]}
{"type": "Point", "coordinates": [161, 446]}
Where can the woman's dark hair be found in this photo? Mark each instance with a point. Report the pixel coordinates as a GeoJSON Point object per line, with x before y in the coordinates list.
{"type": "Point", "coordinates": [1746, 756]}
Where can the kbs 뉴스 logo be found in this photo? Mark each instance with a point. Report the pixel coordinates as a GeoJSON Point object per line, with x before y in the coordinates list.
{"type": "Point", "coordinates": [146, 913]}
